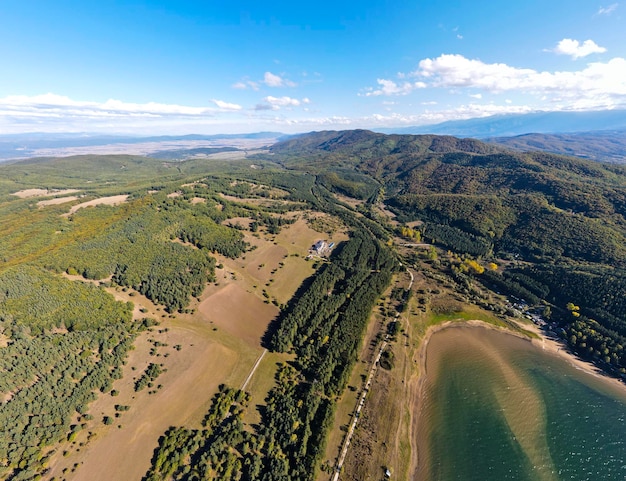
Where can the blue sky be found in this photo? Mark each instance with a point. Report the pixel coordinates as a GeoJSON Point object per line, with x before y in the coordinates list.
{"type": "Point", "coordinates": [156, 67]}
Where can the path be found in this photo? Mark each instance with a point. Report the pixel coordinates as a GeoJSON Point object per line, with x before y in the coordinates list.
{"type": "Point", "coordinates": [256, 364]}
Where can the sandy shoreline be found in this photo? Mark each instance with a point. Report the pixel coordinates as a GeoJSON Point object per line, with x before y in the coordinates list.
{"type": "Point", "coordinates": [552, 346]}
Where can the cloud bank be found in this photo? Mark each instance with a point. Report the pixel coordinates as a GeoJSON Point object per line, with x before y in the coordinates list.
{"type": "Point", "coordinates": [597, 85]}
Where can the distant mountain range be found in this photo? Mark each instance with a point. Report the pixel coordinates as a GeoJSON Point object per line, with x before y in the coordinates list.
{"type": "Point", "coordinates": [14, 146]}
{"type": "Point", "coordinates": [510, 125]}
{"type": "Point", "coordinates": [598, 135]}
{"type": "Point", "coordinates": [603, 146]}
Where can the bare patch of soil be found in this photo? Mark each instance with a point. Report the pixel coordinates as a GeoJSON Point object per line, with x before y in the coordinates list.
{"type": "Point", "coordinates": [241, 221]}
{"type": "Point", "coordinates": [56, 201]}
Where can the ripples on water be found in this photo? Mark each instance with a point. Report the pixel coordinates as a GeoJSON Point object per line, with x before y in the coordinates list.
{"type": "Point", "coordinates": [502, 409]}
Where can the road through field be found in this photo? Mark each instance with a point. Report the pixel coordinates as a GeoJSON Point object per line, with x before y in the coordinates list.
{"type": "Point", "coordinates": [361, 401]}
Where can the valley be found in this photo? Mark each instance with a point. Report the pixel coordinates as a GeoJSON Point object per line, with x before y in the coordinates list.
{"type": "Point", "coordinates": [155, 286]}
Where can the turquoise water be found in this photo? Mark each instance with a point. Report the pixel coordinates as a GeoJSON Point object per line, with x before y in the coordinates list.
{"type": "Point", "coordinates": [498, 408]}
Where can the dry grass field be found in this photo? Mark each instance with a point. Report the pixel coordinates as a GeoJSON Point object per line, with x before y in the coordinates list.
{"type": "Point", "coordinates": [194, 365]}
{"type": "Point", "coordinates": [112, 200]}
{"type": "Point", "coordinates": [238, 312]}
{"type": "Point", "coordinates": [27, 193]}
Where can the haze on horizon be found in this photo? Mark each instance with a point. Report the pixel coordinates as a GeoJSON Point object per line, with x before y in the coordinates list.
{"type": "Point", "coordinates": [165, 67]}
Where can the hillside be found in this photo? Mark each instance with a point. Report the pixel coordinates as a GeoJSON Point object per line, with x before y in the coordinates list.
{"type": "Point", "coordinates": [499, 201]}
{"type": "Point", "coordinates": [603, 146]}
{"type": "Point", "coordinates": [560, 222]}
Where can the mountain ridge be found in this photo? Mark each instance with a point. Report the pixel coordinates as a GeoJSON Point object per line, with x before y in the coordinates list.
{"type": "Point", "coordinates": [506, 125]}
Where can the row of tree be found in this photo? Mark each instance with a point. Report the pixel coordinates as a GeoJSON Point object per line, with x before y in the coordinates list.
{"type": "Point", "coordinates": [323, 325]}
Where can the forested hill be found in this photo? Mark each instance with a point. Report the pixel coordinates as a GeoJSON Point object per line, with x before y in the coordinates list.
{"type": "Point", "coordinates": [355, 145]}
{"type": "Point", "coordinates": [554, 225]}
{"type": "Point", "coordinates": [475, 197]}
{"type": "Point", "coordinates": [604, 146]}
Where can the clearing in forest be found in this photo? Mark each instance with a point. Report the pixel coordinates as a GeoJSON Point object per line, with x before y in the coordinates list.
{"type": "Point", "coordinates": [27, 193]}
{"type": "Point", "coordinates": [239, 312]}
{"type": "Point", "coordinates": [112, 200]}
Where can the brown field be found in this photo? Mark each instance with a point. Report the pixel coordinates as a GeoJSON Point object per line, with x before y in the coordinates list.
{"type": "Point", "coordinates": [242, 221]}
{"type": "Point", "coordinates": [198, 200]}
{"type": "Point", "coordinates": [248, 146]}
{"type": "Point", "coordinates": [112, 200]}
{"type": "Point", "coordinates": [56, 201]}
{"type": "Point", "coordinates": [258, 201]}
{"type": "Point", "coordinates": [238, 312]}
{"type": "Point", "coordinates": [27, 193]}
{"type": "Point", "coordinates": [125, 453]}
{"type": "Point", "coordinates": [351, 201]}
{"type": "Point", "coordinates": [290, 248]}
{"type": "Point", "coordinates": [302, 236]}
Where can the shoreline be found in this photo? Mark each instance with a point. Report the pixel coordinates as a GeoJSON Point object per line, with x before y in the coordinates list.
{"type": "Point", "coordinates": [553, 347]}
{"type": "Point", "coordinates": [560, 349]}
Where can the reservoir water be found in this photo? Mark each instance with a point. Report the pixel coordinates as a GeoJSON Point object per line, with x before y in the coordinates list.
{"type": "Point", "coordinates": [496, 407]}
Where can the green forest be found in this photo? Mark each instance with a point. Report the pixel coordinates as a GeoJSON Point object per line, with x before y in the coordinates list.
{"type": "Point", "coordinates": [560, 220]}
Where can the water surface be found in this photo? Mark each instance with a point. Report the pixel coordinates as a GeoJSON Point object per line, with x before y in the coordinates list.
{"type": "Point", "coordinates": [496, 407]}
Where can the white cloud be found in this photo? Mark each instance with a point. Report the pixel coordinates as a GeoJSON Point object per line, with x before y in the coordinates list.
{"type": "Point", "coordinates": [282, 101]}
{"type": "Point", "coordinates": [598, 85]}
{"type": "Point", "coordinates": [52, 105]}
{"type": "Point", "coordinates": [607, 10]}
{"type": "Point", "coordinates": [476, 96]}
{"type": "Point", "coordinates": [459, 113]}
{"type": "Point", "coordinates": [276, 103]}
{"type": "Point", "coordinates": [226, 105]}
{"type": "Point", "coordinates": [389, 87]}
{"type": "Point", "coordinates": [576, 50]}
{"type": "Point", "coordinates": [272, 80]}
{"type": "Point", "coordinates": [245, 84]}
{"type": "Point", "coordinates": [52, 113]}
